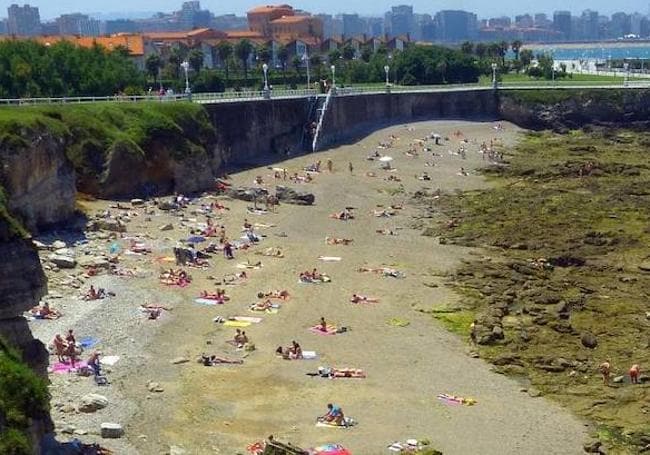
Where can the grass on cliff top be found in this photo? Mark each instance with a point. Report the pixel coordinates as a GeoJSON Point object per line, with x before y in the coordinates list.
{"type": "Point", "coordinates": [595, 229]}
{"type": "Point", "coordinates": [23, 396]}
{"type": "Point", "coordinates": [555, 96]}
{"type": "Point", "coordinates": [91, 131]}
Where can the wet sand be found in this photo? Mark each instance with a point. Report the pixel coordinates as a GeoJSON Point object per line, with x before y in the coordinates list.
{"type": "Point", "coordinates": [224, 408]}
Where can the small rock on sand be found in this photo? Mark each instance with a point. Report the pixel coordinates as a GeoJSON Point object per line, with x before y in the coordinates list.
{"type": "Point", "coordinates": [167, 227]}
{"type": "Point", "coordinates": [154, 387]}
{"type": "Point", "coordinates": [111, 430]}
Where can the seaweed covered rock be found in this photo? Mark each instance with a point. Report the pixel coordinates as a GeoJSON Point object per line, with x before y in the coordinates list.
{"type": "Point", "coordinates": [291, 196]}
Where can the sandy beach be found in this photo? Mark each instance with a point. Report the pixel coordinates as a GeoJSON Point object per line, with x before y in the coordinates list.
{"type": "Point", "coordinates": [224, 408]}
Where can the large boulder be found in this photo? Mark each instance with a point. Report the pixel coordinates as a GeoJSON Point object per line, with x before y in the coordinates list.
{"type": "Point", "coordinates": [64, 262]}
{"type": "Point", "coordinates": [589, 340]}
{"type": "Point", "coordinates": [291, 196]}
{"type": "Point", "coordinates": [111, 430]}
{"type": "Point", "coordinates": [92, 402]}
{"type": "Point", "coordinates": [249, 194]}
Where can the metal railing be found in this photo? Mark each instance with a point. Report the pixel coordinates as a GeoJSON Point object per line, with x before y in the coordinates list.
{"type": "Point", "coordinates": [229, 97]}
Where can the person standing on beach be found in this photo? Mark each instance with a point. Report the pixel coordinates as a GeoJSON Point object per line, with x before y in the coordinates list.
{"type": "Point", "coordinates": [330, 166]}
{"type": "Point", "coordinates": [605, 369]}
{"type": "Point", "coordinates": [350, 167]}
{"type": "Point", "coordinates": [634, 374]}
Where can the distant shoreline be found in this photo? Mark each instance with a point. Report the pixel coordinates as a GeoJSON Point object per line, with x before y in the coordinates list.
{"type": "Point", "coordinates": [588, 45]}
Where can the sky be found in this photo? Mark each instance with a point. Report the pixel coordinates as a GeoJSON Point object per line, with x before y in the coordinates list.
{"type": "Point", "coordinates": [50, 8]}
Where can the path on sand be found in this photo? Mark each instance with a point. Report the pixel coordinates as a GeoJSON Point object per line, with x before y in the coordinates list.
{"type": "Point", "coordinates": [222, 409]}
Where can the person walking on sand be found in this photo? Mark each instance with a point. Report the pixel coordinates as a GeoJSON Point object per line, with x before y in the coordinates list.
{"type": "Point", "coordinates": [605, 370]}
{"type": "Point", "coordinates": [350, 167]}
{"type": "Point", "coordinates": [634, 374]}
{"type": "Point", "coordinates": [330, 166]}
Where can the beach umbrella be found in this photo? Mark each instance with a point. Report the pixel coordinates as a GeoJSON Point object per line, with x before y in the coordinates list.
{"type": "Point", "coordinates": [195, 239]}
{"type": "Point", "coordinates": [385, 159]}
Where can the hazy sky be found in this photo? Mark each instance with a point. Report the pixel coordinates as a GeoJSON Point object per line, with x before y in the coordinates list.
{"type": "Point", "coordinates": [52, 8]}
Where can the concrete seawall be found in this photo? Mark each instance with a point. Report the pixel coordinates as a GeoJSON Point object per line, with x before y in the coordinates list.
{"type": "Point", "coordinates": [246, 130]}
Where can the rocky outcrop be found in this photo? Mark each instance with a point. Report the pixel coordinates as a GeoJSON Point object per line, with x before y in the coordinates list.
{"type": "Point", "coordinates": [22, 284]}
{"type": "Point", "coordinates": [572, 109]}
{"type": "Point", "coordinates": [248, 194]}
{"type": "Point", "coordinates": [37, 177]}
{"type": "Point", "coordinates": [291, 196]}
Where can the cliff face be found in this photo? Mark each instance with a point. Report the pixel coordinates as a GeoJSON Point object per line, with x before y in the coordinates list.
{"type": "Point", "coordinates": [562, 109]}
{"type": "Point", "coordinates": [22, 284]}
{"type": "Point", "coordinates": [38, 178]}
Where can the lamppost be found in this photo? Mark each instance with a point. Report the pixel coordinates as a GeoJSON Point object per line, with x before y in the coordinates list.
{"type": "Point", "coordinates": [626, 81]}
{"type": "Point", "coordinates": [387, 71]}
{"type": "Point", "coordinates": [186, 68]}
{"type": "Point", "coordinates": [305, 57]}
{"type": "Point", "coordinates": [267, 92]}
{"type": "Point", "coordinates": [494, 76]}
{"type": "Point", "coordinates": [333, 69]}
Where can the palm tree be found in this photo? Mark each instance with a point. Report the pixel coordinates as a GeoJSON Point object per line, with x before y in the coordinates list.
{"type": "Point", "coordinates": [264, 54]}
{"type": "Point", "coordinates": [153, 64]}
{"type": "Point", "coordinates": [195, 59]}
{"type": "Point", "coordinates": [174, 60]}
{"type": "Point", "coordinates": [516, 47]}
{"type": "Point", "coordinates": [467, 48]}
{"type": "Point", "coordinates": [224, 51]}
{"type": "Point", "coordinates": [316, 62]}
{"type": "Point", "coordinates": [503, 50]}
{"type": "Point", "coordinates": [334, 56]}
{"type": "Point", "coordinates": [348, 52]}
{"type": "Point", "coordinates": [481, 50]}
{"type": "Point", "coordinates": [296, 62]}
{"type": "Point", "coordinates": [526, 56]}
{"type": "Point", "coordinates": [283, 58]}
{"type": "Point", "coordinates": [243, 51]}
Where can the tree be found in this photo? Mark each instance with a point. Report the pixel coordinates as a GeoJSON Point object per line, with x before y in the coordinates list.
{"type": "Point", "coordinates": [516, 48]}
{"type": "Point", "coordinates": [526, 57]}
{"type": "Point", "coordinates": [503, 50]}
{"type": "Point", "coordinates": [316, 63]}
{"type": "Point", "coordinates": [174, 62]}
{"type": "Point", "coordinates": [283, 58]}
{"type": "Point", "coordinates": [467, 48]}
{"type": "Point", "coordinates": [264, 54]}
{"type": "Point", "coordinates": [366, 54]}
{"type": "Point", "coordinates": [348, 52]}
{"type": "Point", "coordinates": [224, 51]}
{"type": "Point", "coordinates": [152, 65]}
{"type": "Point", "coordinates": [296, 62]}
{"type": "Point", "coordinates": [481, 50]}
{"type": "Point", "coordinates": [334, 56]}
{"type": "Point", "coordinates": [243, 51]}
{"type": "Point", "coordinates": [195, 59]}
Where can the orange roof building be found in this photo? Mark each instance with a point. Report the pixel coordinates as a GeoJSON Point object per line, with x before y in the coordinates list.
{"type": "Point", "coordinates": [281, 20]}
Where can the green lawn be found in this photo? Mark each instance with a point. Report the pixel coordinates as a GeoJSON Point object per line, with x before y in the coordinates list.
{"type": "Point", "coordinates": [576, 79]}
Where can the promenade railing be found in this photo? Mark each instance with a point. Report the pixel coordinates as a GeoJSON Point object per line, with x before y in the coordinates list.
{"type": "Point", "coordinates": [229, 97]}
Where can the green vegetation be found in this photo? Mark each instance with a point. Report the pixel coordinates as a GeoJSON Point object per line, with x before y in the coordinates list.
{"type": "Point", "coordinates": [29, 69]}
{"type": "Point", "coordinates": [23, 396]}
{"type": "Point", "coordinates": [566, 232]}
{"type": "Point", "coordinates": [93, 131]}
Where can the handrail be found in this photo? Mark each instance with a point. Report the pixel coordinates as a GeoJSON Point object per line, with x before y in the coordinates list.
{"type": "Point", "coordinates": [229, 97]}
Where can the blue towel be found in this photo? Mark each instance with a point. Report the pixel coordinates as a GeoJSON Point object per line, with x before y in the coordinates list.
{"type": "Point", "coordinates": [88, 342]}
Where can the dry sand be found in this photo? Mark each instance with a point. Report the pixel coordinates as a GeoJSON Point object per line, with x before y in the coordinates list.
{"type": "Point", "coordinates": [222, 409]}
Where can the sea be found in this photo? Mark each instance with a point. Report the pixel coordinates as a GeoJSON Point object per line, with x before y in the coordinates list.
{"type": "Point", "coordinates": [595, 51]}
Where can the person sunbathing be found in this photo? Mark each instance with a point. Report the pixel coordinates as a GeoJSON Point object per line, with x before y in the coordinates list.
{"type": "Point", "coordinates": [358, 298]}
{"type": "Point", "coordinates": [219, 295]}
{"type": "Point", "coordinates": [212, 360]}
{"type": "Point", "coordinates": [337, 241]}
{"type": "Point", "coordinates": [386, 231]}
{"type": "Point", "coordinates": [295, 351]}
{"type": "Point", "coordinates": [44, 312]}
{"type": "Point", "coordinates": [275, 294]}
{"type": "Point", "coordinates": [138, 247]}
{"type": "Point", "coordinates": [383, 213]}
{"type": "Point", "coordinates": [322, 325]}
{"type": "Point", "coordinates": [331, 372]}
{"type": "Point", "coordinates": [424, 176]}
{"type": "Point", "coordinates": [344, 215]}
{"type": "Point", "coordinates": [96, 294]}
{"type": "Point", "coordinates": [262, 305]}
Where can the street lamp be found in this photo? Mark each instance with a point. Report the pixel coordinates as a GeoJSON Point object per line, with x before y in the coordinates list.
{"type": "Point", "coordinates": [626, 81]}
{"type": "Point", "coordinates": [333, 69]}
{"type": "Point", "coordinates": [265, 69]}
{"type": "Point", "coordinates": [494, 76]}
{"type": "Point", "coordinates": [186, 68]}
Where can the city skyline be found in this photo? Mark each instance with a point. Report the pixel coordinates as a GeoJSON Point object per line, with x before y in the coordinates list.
{"type": "Point", "coordinates": [367, 8]}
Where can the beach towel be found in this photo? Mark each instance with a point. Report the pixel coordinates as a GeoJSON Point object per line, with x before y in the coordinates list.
{"type": "Point", "coordinates": [349, 420]}
{"type": "Point", "coordinates": [454, 400]}
{"type": "Point", "coordinates": [251, 319]}
{"type": "Point", "coordinates": [331, 330]}
{"type": "Point", "coordinates": [236, 324]}
{"type": "Point", "coordinates": [109, 360]}
{"type": "Point", "coordinates": [267, 311]}
{"type": "Point", "coordinates": [397, 322]}
{"type": "Point", "coordinates": [202, 301]}
{"type": "Point", "coordinates": [88, 342]}
{"type": "Point", "coordinates": [329, 258]}
{"type": "Point", "coordinates": [63, 368]}
{"type": "Point", "coordinates": [329, 449]}
{"type": "Point", "coordinates": [309, 355]}
{"type": "Point", "coordinates": [249, 266]}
